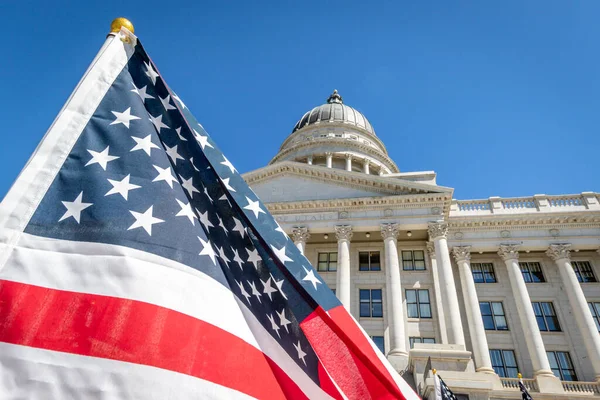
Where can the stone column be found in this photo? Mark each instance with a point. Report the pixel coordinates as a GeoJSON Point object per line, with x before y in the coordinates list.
{"type": "Point", "coordinates": [560, 253]}
{"type": "Point", "coordinates": [366, 166]}
{"type": "Point", "coordinates": [348, 162]}
{"type": "Point", "coordinates": [438, 296]}
{"type": "Point", "coordinates": [329, 159]}
{"type": "Point", "coordinates": [481, 351]}
{"type": "Point", "coordinates": [533, 337]}
{"type": "Point", "coordinates": [342, 290]}
{"type": "Point", "coordinates": [309, 160]}
{"type": "Point", "coordinates": [437, 233]}
{"type": "Point", "coordinates": [300, 235]}
{"type": "Point", "coordinates": [397, 354]}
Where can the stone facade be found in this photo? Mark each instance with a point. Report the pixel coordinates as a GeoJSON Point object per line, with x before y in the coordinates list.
{"type": "Point", "coordinates": [510, 275]}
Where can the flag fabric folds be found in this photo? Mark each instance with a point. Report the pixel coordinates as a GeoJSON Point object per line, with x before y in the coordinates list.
{"type": "Point", "coordinates": [441, 390]}
{"type": "Point", "coordinates": [524, 393]}
{"type": "Point", "coordinates": [135, 262]}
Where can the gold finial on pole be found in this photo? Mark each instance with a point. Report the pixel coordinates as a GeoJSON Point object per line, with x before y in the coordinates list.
{"type": "Point", "coordinates": [519, 375]}
{"type": "Point", "coordinates": [118, 23]}
{"type": "Point", "coordinates": [434, 371]}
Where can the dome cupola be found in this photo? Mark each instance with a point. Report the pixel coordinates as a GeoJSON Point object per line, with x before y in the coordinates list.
{"type": "Point", "coordinates": [336, 135]}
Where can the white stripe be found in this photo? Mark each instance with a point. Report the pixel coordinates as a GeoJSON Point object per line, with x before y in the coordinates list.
{"type": "Point", "coordinates": [32, 184]}
{"type": "Point", "coordinates": [117, 271]}
{"type": "Point", "coordinates": [30, 373]}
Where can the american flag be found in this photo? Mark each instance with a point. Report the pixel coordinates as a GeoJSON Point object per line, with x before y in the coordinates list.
{"type": "Point", "coordinates": [135, 262]}
{"type": "Point", "coordinates": [524, 393]}
{"type": "Point", "coordinates": [441, 390]}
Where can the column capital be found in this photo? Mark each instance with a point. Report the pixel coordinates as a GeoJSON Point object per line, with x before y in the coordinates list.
{"type": "Point", "coordinates": [389, 231]}
{"type": "Point", "coordinates": [366, 161]}
{"type": "Point", "coordinates": [437, 229]}
{"type": "Point", "coordinates": [300, 234]}
{"type": "Point", "coordinates": [343, 232]}
{"type": "Point", "coordinates": [509, 252]}
{"type": "Point", "coordinates": [559, 251]}
{"type": "Point", "coordinates": [348, 156]}
{"type": "Point", "coordinates": [431, 249]}
{"type": "Point", "coordinates": [462, 253]}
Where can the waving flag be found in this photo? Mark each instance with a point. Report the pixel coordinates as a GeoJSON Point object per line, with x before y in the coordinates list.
{"type": "Point", "coordinates": [135, 262]}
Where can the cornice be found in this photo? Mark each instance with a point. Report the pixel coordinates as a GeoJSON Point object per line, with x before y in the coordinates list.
{"type": "Point", "coordinates": [347, 144]}
{"type": "Point", "coordinates": [571, 221]}
{"type": "Point", "coordinates": [357, 180]}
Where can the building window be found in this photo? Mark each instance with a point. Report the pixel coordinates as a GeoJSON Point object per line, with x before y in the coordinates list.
{"type": "Point", "coordinates": [369, 261]}
{"type": "Point", "coordinates": [413, 260]}
{"type": "Point", "coordinates": [532, 272]}
{"type": "Point", "coordinates": [327, 262]}
{"type": "Point", "coordinates": [583, 270]}
{"type": "Point", "coordinates": [493, 315]}
{"type": "Point", "coordinates": [546, 316]}
{"type": "Point", "coordinates": [413, 340]}
{"type": "Point", "coordinates": [370, 303]}
{"type": "Point", "coordinates": [504, 363]}
{"type": "Point", "coordinates": [595, 309]}
{"type": "Point", "coordinates": [561, 365]}
{"type": "Point", "coordinates": [379, 342]}
{"type": "Point", "coordinates": [483, 272]}
{"type": "Point", "coordinates": [417, 303]}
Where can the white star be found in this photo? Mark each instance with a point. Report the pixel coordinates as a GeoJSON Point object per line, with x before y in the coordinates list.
{"type": "Point", "coordinates": [192, 162]}
{"type": "Point", "coordinates": [179, 100]}
{"type": "Point", "coordinates": [144, 144]}
{"type": "Point", "coordinates": [310, 276]}
{"type": "Point", "coordinates": [237, 258]}
{"type": "Point", "coordinates": [228, 164]}
{"type": "Point", "coordinates": [144, 220]}
{"type": "Point", "coordinates": [255, 292]}
{"type": "Point", "coordinates": [164, 174]}
{"type": "Point", "coordinates": [188, 185]}
{"type": "Point", "coordinates": [123, 118]}
{"type": "Point", "coordinates": [173, 154]}
{"type": "Point", "coordinates": [166, 102]}
{"type": "Point", "coordinates": [186, 211]}
{"type": "Point", "coordinates": [253, 257]}
{"type": "Point", "coordinates": [238, 227]}
{"type": "Point", "coordinates": [204, 220]}
{"type": "Point", "coordinates": [207, 250]}
{"type": "Point", "coordinates": [227, 185]}
{"type": "Point", "coordinates": [203, 140]}
{"type": "Point", "coordinates": [208, 195]}
{"type": "Point", "coordinates": [141, 92]}
{"type": "Point", "coordinates": [281, 254]}
{"type": "Point", "coordinates": [178, 130]}
{"type": "Point", "coordinates": [224, 198]}
{"type": "Point", "coordinates": [122, 187]}
{"type": "Point", "coordinates": [150, 72]}
{"type": "Point", "coordinates": [279, 285]}
{"type": "Point", "coordinates": [101, 158]}
{"type": "Point", "coordinates": [283, 321]}
{"type": "Point", "coordinates": [254, 206]}
{"type": "Point", "coordinates": [74, 208]}
{"type": "Point", "coordinates": [243, 290]}
{"type": "Point", "coordinates": [222, 254]}
{"type": "Point", "coordinates": [301, 354]}
{"type": "Point", "coordinates": [222, 225]}
{"type": "Point", "coordinates": [279, 229]}
{"type": "Point", "coordinates": [157, 121]}
{"type": "Point", "coordinates": [274, 326]}
{"type": "Point", "coordinates": [267, 288]}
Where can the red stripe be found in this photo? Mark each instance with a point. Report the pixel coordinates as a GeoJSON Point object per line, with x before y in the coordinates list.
{"type": "Point", "coordinates": [137, 332]}
{"type": "Point", "coordinates": [359, 377]}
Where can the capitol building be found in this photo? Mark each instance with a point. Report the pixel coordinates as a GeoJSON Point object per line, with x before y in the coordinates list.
{"type": "Point", "coordinates": [480, 290]}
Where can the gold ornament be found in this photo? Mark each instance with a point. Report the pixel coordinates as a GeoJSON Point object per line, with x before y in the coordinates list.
{"type": "Point", "coordinates": [117, 23]}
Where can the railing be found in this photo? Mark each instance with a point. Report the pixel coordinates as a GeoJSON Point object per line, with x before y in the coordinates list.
{"type": "Point", "coordinates": [526, 205]}
{"type": "Point", "coordinates": [513, 383]}
{"type": "Point", "coordinates": [581, 387]}
{"type": "Point", "coordinates": [519, 203]}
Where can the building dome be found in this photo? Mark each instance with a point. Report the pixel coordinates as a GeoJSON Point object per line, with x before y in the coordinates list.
{"type": "Point", "coordinates": [336, 136]}
{"type": "Point", "coordinates": [337, 112]}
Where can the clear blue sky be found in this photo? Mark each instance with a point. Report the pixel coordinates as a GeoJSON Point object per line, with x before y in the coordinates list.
{"type": "Point", "coordinates": [499, 98]}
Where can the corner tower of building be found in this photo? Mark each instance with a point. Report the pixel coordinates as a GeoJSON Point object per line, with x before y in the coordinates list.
{"type": "Point", "coordinates": [337, 136]}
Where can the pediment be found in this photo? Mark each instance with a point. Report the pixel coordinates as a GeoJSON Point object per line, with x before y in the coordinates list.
{"type": "Point", "coordinates": [293, 182]}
